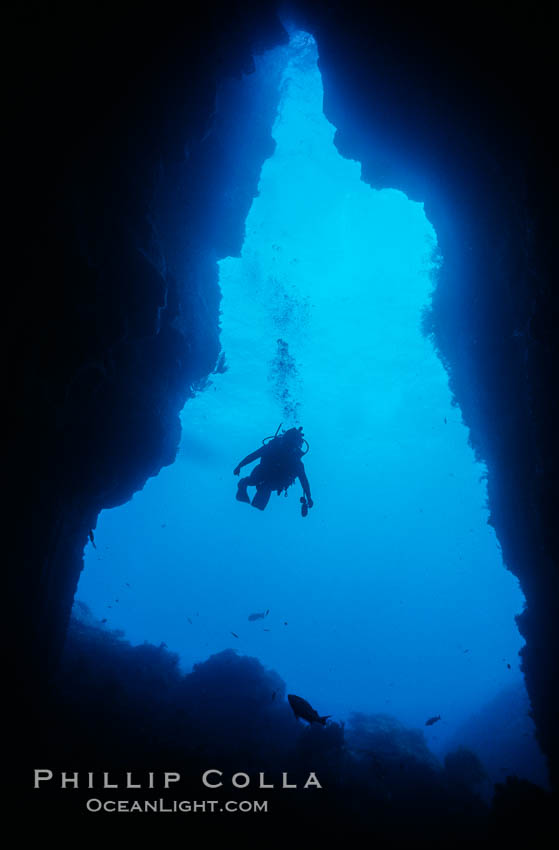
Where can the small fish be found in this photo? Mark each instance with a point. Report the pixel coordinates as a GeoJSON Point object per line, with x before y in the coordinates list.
{"type": "Point", "coordinates": [127, 585]}
{"type": "Point", "coordinates": [267, 612]}
{"type": "Point", "coordinates": [445, 420]}
{"type": "Point", "coordinates": [92, 538]}
{"type": "Point", "coordinates": [302, 709]}
{"type": "Point", "coordinates": [116, 600]}
{"type": "Point", "coordinates": [285, 624]}
{"type": "Point", "coordinates": [432, 720]}
{"type": "Point", "coordinates": [234, 635]}
{"type": "Point", "coordinates": [466, 650]}
{"type": "Point", "coordinates": [508, 665]}
{"type": "Point", "coordinates": [104, 620]}
{"type": "Point", "coordinates": [266, 630]}
{"type": "Point", "coordinates": [253, 617]}
{"type": "Point", "coordinates": [189, 620]}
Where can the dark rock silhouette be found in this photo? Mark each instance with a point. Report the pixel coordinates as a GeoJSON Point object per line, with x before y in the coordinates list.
{"type": "Point", "coordinates": [132, 708]}
{"type": "Point", "coordinates": [117, 260]}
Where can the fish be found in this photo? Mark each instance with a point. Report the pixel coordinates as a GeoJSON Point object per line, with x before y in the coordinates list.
{"type": "Point", "coordinates": [432, 720]}
{"type": "Point", "coordinates": [302, 709]}
{"type": "Point", "coordinates": [189, 620]}
{"type": "Point", "coordinates": [92, 538]}
{"type": "Point", "coordinates": [253, 617]}
{"type": "Point", "coordinates": [104, 620]}
{"type": "Point", "coordinates": [234, 635]}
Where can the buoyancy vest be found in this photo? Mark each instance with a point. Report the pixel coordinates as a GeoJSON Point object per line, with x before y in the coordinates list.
{"type": "Point", "coordinates": [280, 463]}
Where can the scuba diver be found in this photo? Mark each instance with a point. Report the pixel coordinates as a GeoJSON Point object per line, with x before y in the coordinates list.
{"type": "Point", "coordinates": [280, 464]}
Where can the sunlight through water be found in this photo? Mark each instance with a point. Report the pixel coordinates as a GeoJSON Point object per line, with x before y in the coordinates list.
{"type": "Point", "coordinates": [391, 596]}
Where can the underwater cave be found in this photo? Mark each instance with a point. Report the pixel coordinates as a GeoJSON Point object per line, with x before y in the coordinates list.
{"type": "Point", "coordinates": [392, 596]}
{"type": "Point", "coordinates": [257, 225]}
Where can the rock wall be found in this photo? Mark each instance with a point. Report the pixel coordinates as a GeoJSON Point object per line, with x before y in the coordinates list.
{"type": "Point", "coordinates": [455, 113]}
{"type": "Point", "coordinates": [134, 195]}
{"type": "Point", "coordinates": [117, 175]}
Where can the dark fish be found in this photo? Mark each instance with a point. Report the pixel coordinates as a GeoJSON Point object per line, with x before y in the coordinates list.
{"type": "Point", "coordinates": [508, 665]}
{"type": "Point", "coordinates": [302, 709]}
{"type": "Point", "coordinates": [127, 585]}
{"type": "Point", "coordinates": [234, 635]}
{"type": "Point", "coordinates": [432, 720]}
{"type": "Point", "coordinates": [253, 617]}
{"type": "Point", "coordinates": [265, 630]}
{"type": "Point", "coordinates": [104, 620]}
{"type": "Point", "coordinates": [189, 620]}
{"type": "Point", "coordinates": [92, 538]}
{"type": "Point", "coordinates": [267, 612]}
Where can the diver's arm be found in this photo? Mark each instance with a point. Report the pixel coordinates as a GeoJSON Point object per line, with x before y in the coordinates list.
{"type": "Point", "coordinates": [248, 459]}
{"type": "Point", "coordinates": [305, 485]}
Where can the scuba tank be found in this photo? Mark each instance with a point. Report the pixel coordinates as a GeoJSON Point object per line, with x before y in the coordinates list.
{"type": "Point", "coordinates": [278, 438]}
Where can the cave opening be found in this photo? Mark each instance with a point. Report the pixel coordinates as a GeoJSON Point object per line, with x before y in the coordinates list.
{"type": "Point", "coordinates": [391, 596]}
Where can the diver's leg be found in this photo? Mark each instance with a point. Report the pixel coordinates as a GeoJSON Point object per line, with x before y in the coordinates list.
{"type": "Point", "coordinates": [242, 495]}
{"type": "Point", "coordinates": [262, 497]}
{"type": "Point", "coordinates": [252, 480]}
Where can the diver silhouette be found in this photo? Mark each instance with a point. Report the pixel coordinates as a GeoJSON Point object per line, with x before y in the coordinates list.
{"type": "Point", "coordinates": [280, 464]}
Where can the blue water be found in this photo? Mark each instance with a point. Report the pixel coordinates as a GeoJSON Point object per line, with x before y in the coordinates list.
{"type": "Point", "coordinates": [391, 596]}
